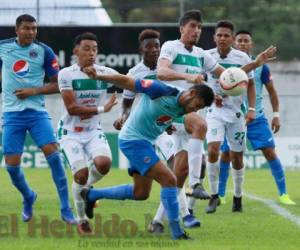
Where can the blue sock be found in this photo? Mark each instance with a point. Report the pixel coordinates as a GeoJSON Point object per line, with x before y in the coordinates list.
{"type": "Point", "coordinates": [223, 177]}
{"type": "Point", "coordinates": [18, 179]}
{"type": "Point", "coordinates": [168, 196]}
{"type": "Point", "coordinates": [278, 174]}
{"type": "Point", "coordinates": [120, 192]}
{"type": "Point", "coordinates": [59, 178]}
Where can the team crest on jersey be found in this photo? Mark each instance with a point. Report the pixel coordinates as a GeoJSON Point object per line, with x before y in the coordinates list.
{"type": "Point", "coordinates": [33, 53]}
{"type": "Point", "coordinates": [21, 68]}
{"type": "Point", "coordinates": [164, 120]}
{"type": "Point", "coordinates": [147, 159]}
{"type": "Point", "coordinates": [146, 83]}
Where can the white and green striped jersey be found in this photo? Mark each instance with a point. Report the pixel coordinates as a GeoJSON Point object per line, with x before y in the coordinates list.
{"type": "Point", "coordinates": [139, 71]}
{"type": "Point", "coordinates": [88, 92]}
{"type": "Point", "coordinates": [232, 104]}
{"type": "Point", "coordinates": [182, 60]}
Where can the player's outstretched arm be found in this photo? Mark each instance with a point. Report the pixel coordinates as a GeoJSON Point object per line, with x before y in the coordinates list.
{"type": "Point", "coordinates": [263, 57]}
{"type": "Point", "coordinates": [122, 81]}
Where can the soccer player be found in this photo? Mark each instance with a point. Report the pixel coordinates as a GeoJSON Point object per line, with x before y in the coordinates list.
{"type": "Point", "coordinates": [258, 131]}
{"type": "Point", "coordinates": [146, 69]}
{"type": "Point", "coordinates": [157, 108]}
{"type": "Point", "coordinates": [227, 119]}
{"type": "Point", "coordinates": [80, 134]}
{"type": "Point", "coordinates": [24, 64]}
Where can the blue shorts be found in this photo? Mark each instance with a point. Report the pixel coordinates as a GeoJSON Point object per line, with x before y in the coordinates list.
{"type": "Point", "coordinates": [259, 134]}
{"type": "Point", "coordinates": [141, 155]}
{"type": "Point", "coordinates": [16, 124]}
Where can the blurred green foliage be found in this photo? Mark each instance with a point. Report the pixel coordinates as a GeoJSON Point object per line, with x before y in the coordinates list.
{"type": "Point", "coordinates": [274, 22]}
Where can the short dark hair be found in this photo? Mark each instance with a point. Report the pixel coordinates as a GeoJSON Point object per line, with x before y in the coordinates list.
{"type": "Point", "coordinates": [85, 36]}
{"type": "Point", "coordinates": [190, 15]}
{"type": "Point", "coordinates": [243, 32]}
{"type": "Point", "coordinates": [24, 18]}
{"type": "Point", "coordinates": [205, 92]}
{"type": "Point", "coordinates": [148, 34]}
{"type": "Point", "coordinates": [225, 24]}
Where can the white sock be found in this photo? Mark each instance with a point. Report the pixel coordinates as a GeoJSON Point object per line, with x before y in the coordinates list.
{"type": "Point", "coordinates": [195, 151]}
{"type": "Point", "coordinates": [191, 202]}
{"type": "Point", "coordinates": [78, 201]}
{"type": "Point", "coordinates": [182, 202]}
{"type": "Point", "coordinates": [238, 180]}
{"type": "Point", "coordinates": [94, 175]}
{"type": "Point", "coordinates": [160, 213]}
{"type": "Point", "coordinates": [213, 170]}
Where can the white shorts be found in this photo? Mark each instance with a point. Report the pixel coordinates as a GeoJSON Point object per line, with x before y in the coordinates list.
{"type": "Point", "coordinates": [81, 147]}
{"type": "Point", "coordinates": [164, 145]}
{"type": "Point", "coordinates": [235, 132]}
{"type": "Point", "coordinates": [181, 138]}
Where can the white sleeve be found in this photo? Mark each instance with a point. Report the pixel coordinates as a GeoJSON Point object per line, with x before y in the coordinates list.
{"type": "Point", "coordinates": [128, 94]}
{"type": "Point", "coordinates": [64, 80]}
{"type": "Point", "coordinates": [167, 52]}
{"type": "Point", "coordinates": [210, 63]}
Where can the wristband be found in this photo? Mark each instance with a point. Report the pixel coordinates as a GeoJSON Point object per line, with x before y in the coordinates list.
{"type": "Point", "coordinates": [251, 109]}
{"type": "Point", "coordinates": [276, 114]}
{"type": "Point", "coordinates": [100, 109]}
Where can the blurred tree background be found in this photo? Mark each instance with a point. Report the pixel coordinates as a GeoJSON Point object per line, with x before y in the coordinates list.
{"type": "Point", "coordinates": [274, 22]}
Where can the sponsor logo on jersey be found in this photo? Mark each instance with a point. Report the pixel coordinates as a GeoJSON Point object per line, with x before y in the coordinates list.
{"type": "Point", "coordinates": [54, 64]}
{"type": "Point", "coordinates": [164, 120]}
{"type": "Point", "coordinates": [21, 68]}
{"type": "Point", "coordinates": [147, 159]}
{"type": "Point", "coordinates": [33, 53]}
{"type": "Point", "coordinates": [146, 83]}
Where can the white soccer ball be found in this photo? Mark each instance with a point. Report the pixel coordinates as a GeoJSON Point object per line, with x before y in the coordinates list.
{"type": "Point", "coordinates": [233, 81]}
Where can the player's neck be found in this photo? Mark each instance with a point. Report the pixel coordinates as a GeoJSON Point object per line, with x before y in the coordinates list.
{"type": "Point", "coordinates": [224, 52]}
{"type": "Point", "coordinates": [189, 46]}
{"type": "Point", "coordinates": [150, 65]}
{"type": "Point", "coordinates": [21, 43]}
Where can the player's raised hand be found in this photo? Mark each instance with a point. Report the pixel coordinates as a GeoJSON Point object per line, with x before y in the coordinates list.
{"type": "Point", "coordinates": [195, 78]}
{"type": "Point", "coordinates": [90, 71]}
{"type": "Point", "coordinates": [266, 55]}
{"type": "Point", "coordinates": [111, 102]}
{"type": "Point", "coordinates": [275, 124]}
{"type": "Point", "coordinates": [24, 93]}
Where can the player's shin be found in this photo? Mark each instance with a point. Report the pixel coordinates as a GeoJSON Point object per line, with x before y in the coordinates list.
{"type": "Point", "coordinates": [213, 176]}
{"type": "Point", "coordinates": [59, 177]}
{"type": "Point", "coordinates": [195, 151]}
{"type": "Point", "coordinates": [238, 180]}
{"type": "Point", "coordinates": [78, 201]}
{"type": "Point", "coordinates": [94, 175]}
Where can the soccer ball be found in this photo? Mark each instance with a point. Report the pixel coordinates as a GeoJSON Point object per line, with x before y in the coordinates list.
{"type": "Point", "coordinates": [233, 81]}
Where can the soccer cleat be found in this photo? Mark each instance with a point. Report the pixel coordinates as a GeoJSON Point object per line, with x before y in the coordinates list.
{"type": "Point", "coordinates": [67, 216]}
{"type": "Point", "coordinates": [237, 204]}
{"type": "Point", "coordinates": [156, 227]}
{"type": "Point", "coordinates": [191, 211]}
{"type": "Point", "coordinates": [212, 204]}
{"type": "Point", "coordinates": [184, 236]}
{"type": "Point", "coordinates": [198, 192]}
{"type": "Point", "coordinates": [222, 200]}
{"type": "Point", "coordinates": [190, 221]}
{"type": "Point", "coordinates": [285, 199]}
{"type": "Point", "coordinates": [89, 205]}
{"type": "Point", "coordinates": [84, 228]}
{"type": "Point", "coordinates": [27, 207]}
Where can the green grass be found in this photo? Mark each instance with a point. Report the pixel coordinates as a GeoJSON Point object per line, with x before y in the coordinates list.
{"type": "Point", "coordinates": [258, 227]}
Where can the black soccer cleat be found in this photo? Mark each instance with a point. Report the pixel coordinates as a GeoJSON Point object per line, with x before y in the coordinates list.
{"type": "Point", "coordinates": [237, 204]}
{"type": "Point", "coordinates": [156, 227]}
{"type": "Point", "coordinates": [212, 204]}
{"type": "Point", "coordinates": [198, 192]}
{"type": "Point", "coordinates": [89, 205]}
{"type": "Point", "coordinates": [184, 236]}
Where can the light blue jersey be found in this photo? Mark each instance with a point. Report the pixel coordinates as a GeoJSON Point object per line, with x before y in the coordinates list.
{"type": "Point", "coordinates": [262, 76]}
{"type": "Point", "coordinates": [25, 67]}
{"type": "Point", "coordinates": [155, 111]}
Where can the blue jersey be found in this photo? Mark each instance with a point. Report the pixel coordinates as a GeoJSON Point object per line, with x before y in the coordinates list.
{"type": "Point", "coordinates": [25, 67]}
{"type": "Point", "coordinates": [262, 76]}
{"type": "Point", "coordinates": [154, 112]}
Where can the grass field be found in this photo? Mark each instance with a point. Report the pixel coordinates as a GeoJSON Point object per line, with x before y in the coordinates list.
{"type": "Point", "coordinates": [258, 227]}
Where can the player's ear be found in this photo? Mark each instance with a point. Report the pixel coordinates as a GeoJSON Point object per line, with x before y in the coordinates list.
{"type": "Point", "coordinates": [75, 50]}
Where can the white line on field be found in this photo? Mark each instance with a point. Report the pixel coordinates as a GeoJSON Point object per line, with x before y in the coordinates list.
{"type": "Point", "coordinates": [276, 208]}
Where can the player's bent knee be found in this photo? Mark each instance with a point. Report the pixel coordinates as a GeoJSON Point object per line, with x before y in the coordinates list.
{"type": "Point", "coordinates": [103, 164]}
{"type": "Point", "coordinates": [81, 176]}
{"type": "Point", "coordinates": [13, 160]}
{"type": "Point", "coordinates": [141, 195]}
{"type": "Point", "coordinates": [169, 181]}
{"type": "Point", "coordinates": [48, 149]}
{"type": "Point", "coordinates": [269, 154]}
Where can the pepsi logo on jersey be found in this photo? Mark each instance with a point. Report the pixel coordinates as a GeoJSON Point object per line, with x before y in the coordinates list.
{"type": "Point", "coordinates": [21, 68]}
